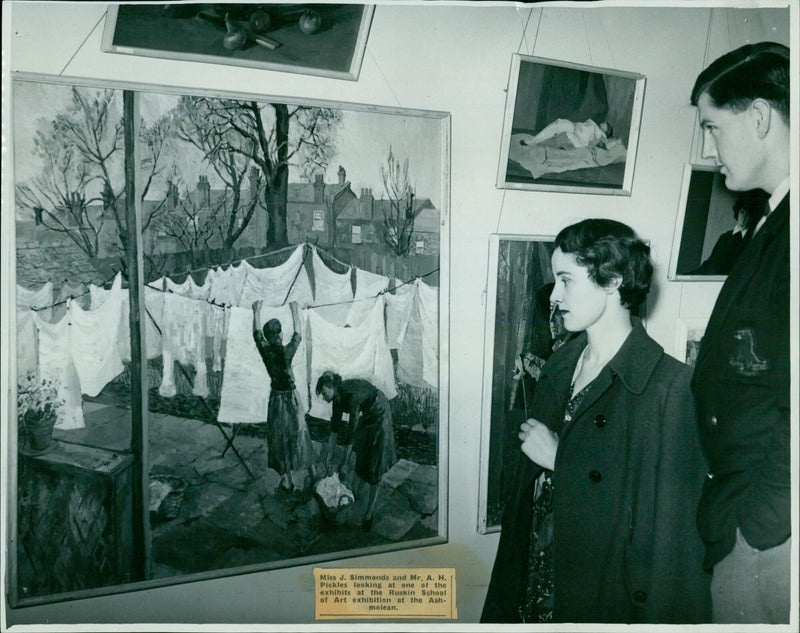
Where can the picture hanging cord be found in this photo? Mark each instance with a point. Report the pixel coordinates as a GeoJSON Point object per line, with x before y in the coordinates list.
{"type": "Point", "coordinates": [385, 80]}
{"type": "Point", "coordinates": [525, 31]}
{"type": "Point", "coordinates": [532, 52]}
{"type": "Point", "coordinates": [80, 46]}
{"type": "Point", "coordinates": [500, 216]}
{"type": "Point", "coordinates": [586, 35]}
{"type": "Point", "coordinates": [605, 38]}
{"type": "Point", "coordinates": [693, 149]}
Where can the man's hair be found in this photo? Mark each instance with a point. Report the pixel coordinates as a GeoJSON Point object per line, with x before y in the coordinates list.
{"type": "Point", "coordinates": [753, 71]}
{"type": "Point", "coordinates": [328, 379]}
{"type": "Point", "coordinates": [610, 249]}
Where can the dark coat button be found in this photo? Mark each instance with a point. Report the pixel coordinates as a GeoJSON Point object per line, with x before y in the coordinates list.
{"type": "Point", "coordinates": [595, 476]}
{"type": "Point", "coordinates": [600, 420]}
{"type": "Point", "coordinates": [640, 596]}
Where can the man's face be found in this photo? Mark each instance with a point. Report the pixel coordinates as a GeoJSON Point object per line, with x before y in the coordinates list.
{"type": "Point", "coordinates": [731, 140]}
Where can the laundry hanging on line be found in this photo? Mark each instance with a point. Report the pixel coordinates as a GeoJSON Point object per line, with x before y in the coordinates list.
{"type": "Point", "coordinates": [418, 354]}
{"type": "Point", "coordinates": [368, 287]}
{"type": "Point", "coordinates": [281, 284]}
{"type": "Point", "coordinates": [55, 363]}
{"type": "Point", "coordinates": [245, 381]}
{"type": "Point", "coordinates": [333, 291]}
{"type": "Point", "coordinates": [351, 352]}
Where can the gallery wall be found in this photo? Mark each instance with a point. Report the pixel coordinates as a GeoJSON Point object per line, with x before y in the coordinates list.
{"type": "Point", "coordinates": [452, 58]}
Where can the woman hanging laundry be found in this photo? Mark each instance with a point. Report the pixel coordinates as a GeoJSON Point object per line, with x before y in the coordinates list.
{"type": "Point", "coordinates": [288, 441]}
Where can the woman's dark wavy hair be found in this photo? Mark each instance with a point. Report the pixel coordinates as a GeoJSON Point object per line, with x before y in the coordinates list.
{"type": "Point", "coordinates": [610, 249]}
{"type": "Point", "coordinates": [328, 379]}
{"type": "Point", "coordinates": [753, 71]}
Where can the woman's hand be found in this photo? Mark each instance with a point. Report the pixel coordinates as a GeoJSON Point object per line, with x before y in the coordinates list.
{"type": "Point", "coordinates": [539, 443]}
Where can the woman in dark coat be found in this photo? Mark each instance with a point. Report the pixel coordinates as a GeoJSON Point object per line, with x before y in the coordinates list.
{"type": "Point", "coordinates": [610, 536]}
{"type": "Point", "coordinates": [369, 431]}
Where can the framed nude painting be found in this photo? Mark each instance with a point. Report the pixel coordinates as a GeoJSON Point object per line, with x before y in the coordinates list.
{"type": "Point", "coordinates": [570, 127]}
{"type": "Point", "coordinates": [155, 243]}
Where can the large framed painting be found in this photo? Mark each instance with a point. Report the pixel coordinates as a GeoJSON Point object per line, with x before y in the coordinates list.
{"type": "Point", "coordinates": [570, 127]}
{"type": "Point", "coordinates": [521, 332]}
{"type": "Point", "coordinates": [226, 355]}
{"type": "Point", "coordinates": [713, 225]}
{"type": "Point", "coordinates": [328, 40]}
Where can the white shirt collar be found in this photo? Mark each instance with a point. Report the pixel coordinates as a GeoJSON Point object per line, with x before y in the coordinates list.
{"type": "Point", "coordinates": [774, 200]}
{"type": "Point", "coordinates": [780, 192]}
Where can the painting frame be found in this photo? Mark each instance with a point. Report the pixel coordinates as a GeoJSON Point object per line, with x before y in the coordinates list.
{"type": "Point", "coordinates": [704, 225]}
{"type": "Point", "coordinates": [567, 164]}
{"type": "Point", "coordinates": [439, 518]}
{"type": "Point", "coordinates": [278, 56]}
{"type": "Point", "coordinates": [688, 335]}
{"type": "Point", "coordinates": [499, 421]}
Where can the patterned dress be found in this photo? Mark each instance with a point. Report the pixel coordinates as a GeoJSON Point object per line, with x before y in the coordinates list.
{"type": "Point", "coordinates": [537, 602]}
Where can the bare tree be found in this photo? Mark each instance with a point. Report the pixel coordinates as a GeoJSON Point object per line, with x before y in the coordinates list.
{"type": "Point", "coordinates": [80, 186]}
{"type": "Point", "coordinates": [188, 220]}
{"type": "Point", "coordinates": [271, 136]}
{"type": "Point", "coordinates": [398, 217]}
{"type": "Point", "coordinates": [228, 153]}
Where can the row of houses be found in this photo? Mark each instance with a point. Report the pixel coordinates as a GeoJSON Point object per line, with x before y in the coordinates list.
{"type": "Point", "coordinates": [329, 214]}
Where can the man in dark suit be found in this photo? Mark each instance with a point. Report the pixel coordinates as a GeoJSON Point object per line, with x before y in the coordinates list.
{"type": "Point", "coordinates": [742, 376]}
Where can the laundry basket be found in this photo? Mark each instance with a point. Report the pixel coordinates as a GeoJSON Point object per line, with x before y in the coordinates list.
{"type": "Point", "coordinates": [333, 497]}
{"type": "Point", "coordinates": [166, 496]}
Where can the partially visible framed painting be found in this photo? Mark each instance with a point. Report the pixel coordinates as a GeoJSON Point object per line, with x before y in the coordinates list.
{"type": "Point", "coordinates": [713, 225]}
{"type": "Point", "coordinates": [313, 39]}
{"type": "Point", "coordinates": [570, 127]}
{"type": "Point", "coordinates": [521, 332]}
{"type": "Point", "coordinates": [687, 339]}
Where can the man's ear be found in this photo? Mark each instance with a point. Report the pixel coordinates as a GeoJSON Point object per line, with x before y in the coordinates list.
{"type": "Point", "coordinates": [761, 111]}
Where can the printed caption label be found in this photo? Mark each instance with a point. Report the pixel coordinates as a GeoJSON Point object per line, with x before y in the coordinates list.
{"type": "Point", "coordinates": [374, 593]}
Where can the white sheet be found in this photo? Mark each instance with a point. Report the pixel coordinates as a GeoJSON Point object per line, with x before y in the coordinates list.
{"type": "Point", "coordinates": [245, 381]}
{"type": "Point", "coordinates": [352, 352]}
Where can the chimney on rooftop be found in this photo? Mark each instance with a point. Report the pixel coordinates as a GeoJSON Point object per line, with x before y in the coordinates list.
{"type": "Point", "coordinates": [204, 188]}
{"type": "Point", "coordinates": [342, 175]}
{"type": "Point", "coordinates": [319, 187]}
{"type": "Point", "coordinates": [366, 202]}
{"type": "Point", "coordinates": [254, 178]}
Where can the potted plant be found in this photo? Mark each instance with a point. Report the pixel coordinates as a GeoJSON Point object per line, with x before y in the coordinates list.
{"type": "Point", "coordinates": [38, 405]}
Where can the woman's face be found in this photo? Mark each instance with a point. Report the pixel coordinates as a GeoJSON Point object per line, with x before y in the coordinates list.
{"type": "Point", "coordinates": [580, 300]}
{"type": "Point", "coordinates": [327, 393]}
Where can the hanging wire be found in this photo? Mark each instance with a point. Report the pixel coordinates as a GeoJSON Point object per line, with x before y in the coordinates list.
{"type": "Point", "coordinates": [502, 206]}
{"type": "Point", "coordinates": [694, 150]}
{"type": "Point", "coordinates": [525, 30]}
{"type": "Point", "coordinates": [586, 35]}
{"type": "Point", "coordinates": [385, 80]}
{"type": "Point", "coordinates": [82, 294]}
{"type": "Point", "coordinates": [605, 38]}
{"type": "Point", "coordinates": [305, 255]}
{"type": "Point", "coordinates": [80, 46]}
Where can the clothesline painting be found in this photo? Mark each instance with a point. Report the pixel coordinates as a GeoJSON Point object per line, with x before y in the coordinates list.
{"type": "Point", "coordinates": [570, 127]}
{"type": "Point", "coordinates": [264, 271]}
